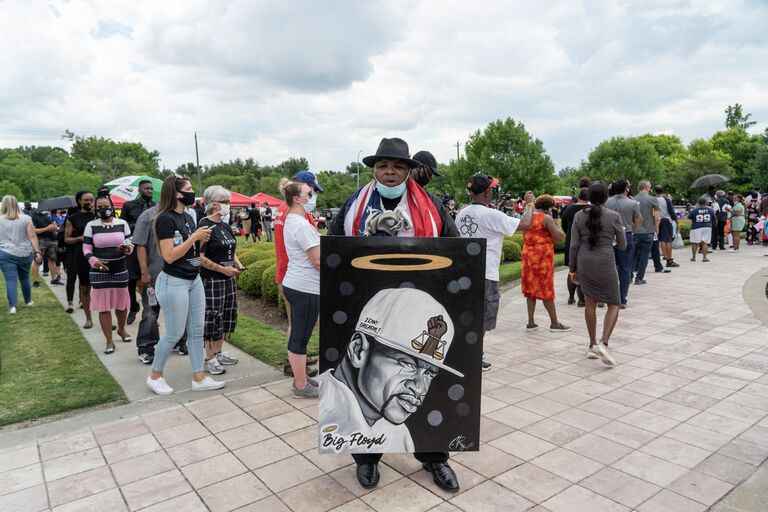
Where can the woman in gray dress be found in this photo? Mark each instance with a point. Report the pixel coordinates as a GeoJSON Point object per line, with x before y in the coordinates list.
{"type": "Point", "coordinates": [593, 267]}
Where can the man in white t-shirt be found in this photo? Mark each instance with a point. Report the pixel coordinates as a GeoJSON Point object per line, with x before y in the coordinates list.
{"type": "Point", "coordinates": [476, 220]}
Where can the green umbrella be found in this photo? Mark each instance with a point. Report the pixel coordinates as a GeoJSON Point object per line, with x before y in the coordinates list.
{"type": "Point", "coordinates": [127, 187]}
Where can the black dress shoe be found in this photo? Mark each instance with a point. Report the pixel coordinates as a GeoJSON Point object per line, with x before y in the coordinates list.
{"type": "Point", "coordinates": [368, 474]}
{"type": "Point", "coordinates": [443, 475]}
{"type": "Point", "coordinates": [131, 317]}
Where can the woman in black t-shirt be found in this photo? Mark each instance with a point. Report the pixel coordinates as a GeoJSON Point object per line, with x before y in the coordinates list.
{"type": "Point", "coordinates": [75, 264]}
{"type": "Point", "coordinates": [178, 287]}
{"type": "Point", "coordinates": [220, 266]}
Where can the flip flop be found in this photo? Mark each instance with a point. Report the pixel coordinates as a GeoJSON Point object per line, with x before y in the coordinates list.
{"type": "Point", "coordinates": [109, 350]}
{"type": "Point", "coordinates": [127, 338]}
{"type": "Point", "coordinates": [87, 325]}
{"type": "Point", "coordinates": [70, 309]}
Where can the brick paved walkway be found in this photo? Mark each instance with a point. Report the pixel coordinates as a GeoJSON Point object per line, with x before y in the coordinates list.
{"type": "Point", "coordinates": [675, 426]}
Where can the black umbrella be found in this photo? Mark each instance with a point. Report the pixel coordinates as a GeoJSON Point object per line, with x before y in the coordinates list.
{"type": "Point", "coordinates": [57, 203]}
{"type": "Point", "coordinates": [709, 179]}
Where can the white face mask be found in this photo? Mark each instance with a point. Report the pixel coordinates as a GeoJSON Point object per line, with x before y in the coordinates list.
{"type": "Point", "coordinates": [311, 203]}
{"type": "Point", "coordinates": [224, 210]}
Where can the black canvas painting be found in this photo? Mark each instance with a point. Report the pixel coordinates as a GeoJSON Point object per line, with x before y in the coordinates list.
{"type": "Point", "coordinates": [401, 337]}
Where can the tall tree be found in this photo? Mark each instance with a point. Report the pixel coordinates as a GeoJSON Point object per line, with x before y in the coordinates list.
{"type": "Point", "coordinates": [632, 158]}
{"type": "Point", "coordinates": [110, 159]}
{"type": "Point", "coordinates": [735, 117]}
{"type": "Point", "coordinates": [505, 150]}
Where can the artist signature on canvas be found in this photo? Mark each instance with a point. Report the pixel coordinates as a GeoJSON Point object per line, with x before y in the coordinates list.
{"type": "Point", "coordinates": [460, 444]}
{"type": "Point", "coordinates": [354, 440]}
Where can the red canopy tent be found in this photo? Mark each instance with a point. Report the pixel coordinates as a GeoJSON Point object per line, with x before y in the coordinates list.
{"type": "Point", "coordinates": [237, 199]}
{"type": "Point", "coordinates": [262, 198]}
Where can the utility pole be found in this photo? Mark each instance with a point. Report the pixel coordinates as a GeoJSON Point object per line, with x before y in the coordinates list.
{"type": "Point", "coordinates": [457, 150]}
{"type": "Point", "coordinates": [199, 172]}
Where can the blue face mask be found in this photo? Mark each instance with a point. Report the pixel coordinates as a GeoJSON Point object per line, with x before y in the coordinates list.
{"type": "Point", "coordinates": [391, 192]}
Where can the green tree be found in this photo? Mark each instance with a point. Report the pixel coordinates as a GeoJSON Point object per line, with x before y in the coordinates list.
{"type": "Point", "coordinates": [632, 158]}
{"type": "Point", "coordinates": [109, 159]}
{"type": "Point", "coordinates": [735, 118]}
{"type": "Point", "coordinates": [8, 188]}
{"type": "Point", "coordinates": [761, 168]}
{"type": "Point", "coordinates": [505, 150]}
{"type": "Point", "coordinates": [337, 186]}
{"type": "Point", "coordinates": [741, 149]}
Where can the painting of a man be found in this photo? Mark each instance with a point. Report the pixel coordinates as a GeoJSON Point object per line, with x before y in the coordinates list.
{"type": "Point", "coordinates": [400, 343]}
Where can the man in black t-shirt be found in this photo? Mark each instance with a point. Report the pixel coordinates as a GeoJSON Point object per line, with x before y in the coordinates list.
{"type": "Point", "coordinates": [565, 223]}
{"type": "Point", "coordinates": [255, 216]}
{"type": "Point", "coordinates": [46, 230]}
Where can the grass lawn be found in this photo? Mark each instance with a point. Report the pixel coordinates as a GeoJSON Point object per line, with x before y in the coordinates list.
{"type": "Point", "coordinates": [46, 365]}
{"type": "Point", "coordinates": [264, 342]}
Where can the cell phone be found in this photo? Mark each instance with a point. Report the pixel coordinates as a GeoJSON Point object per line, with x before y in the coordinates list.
{"type": "Point", "coordinates": [210, 228]}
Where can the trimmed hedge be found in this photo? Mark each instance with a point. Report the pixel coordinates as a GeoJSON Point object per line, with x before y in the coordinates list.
{"type": "Point", "coordinates": [251, 257]}
{"type": "Point", "coordinates": [511, 251]}
{"type": "Point", "coordinates": [269, 289]}
{"type": "Point", "coordinates": [685, 228]}
{"type": "Point", "coordinates": [250, 280]}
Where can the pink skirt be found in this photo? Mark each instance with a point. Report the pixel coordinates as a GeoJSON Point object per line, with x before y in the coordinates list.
{"type": "Point", "coordinates": [110, 299]}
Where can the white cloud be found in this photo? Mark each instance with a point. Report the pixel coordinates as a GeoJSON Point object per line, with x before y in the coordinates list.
{"type": "Point", "coordinates": [324, 80]}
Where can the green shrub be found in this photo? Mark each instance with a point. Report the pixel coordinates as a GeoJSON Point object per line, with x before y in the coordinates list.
{"type": "Point", "coordinates": [281, 305]}
{"type": "Point", "coordinates": [251, 257]}
{"type": "Point", "coordinates": [517, 237]}
{"type": "Point", "coordinates": [250, 280]}
{"type": "Point", "coordinates": [268, 285]}
{"type": "Point", "coordinates": [511, 251]}
{"type": "Point", "coordinates": [560, 246]}
{"type": "Point", "coordinates": [685, 228]}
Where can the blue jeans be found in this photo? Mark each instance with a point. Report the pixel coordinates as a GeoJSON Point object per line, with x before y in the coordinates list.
{"type": "Point", "coordinates": [15, 269]}
{"type": "Point", "coordinates": [625, 261]}
{"type": "Point", "coordinates": [643, 243]}
{"type": "Point", "coordinates": [183, 305]}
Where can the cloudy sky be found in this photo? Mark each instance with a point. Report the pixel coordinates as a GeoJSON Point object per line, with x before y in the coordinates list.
{"type": "Point", "coordinates": [271, 79]}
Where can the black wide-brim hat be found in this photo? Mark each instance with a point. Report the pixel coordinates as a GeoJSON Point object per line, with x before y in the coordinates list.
{"type": "Point", "coordinates": [391, 149]}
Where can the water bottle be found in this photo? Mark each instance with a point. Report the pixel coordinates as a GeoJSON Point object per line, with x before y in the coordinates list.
{"type": "Point", "coordinates": [151, 296]}
{"type": "Point", "coordinates": [177, 238]}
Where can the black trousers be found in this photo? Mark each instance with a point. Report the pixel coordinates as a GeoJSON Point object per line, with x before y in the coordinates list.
{"type": "Point", "coordinates": [718, 235]}
{"type": "Point", "coordinates": [426, 457]}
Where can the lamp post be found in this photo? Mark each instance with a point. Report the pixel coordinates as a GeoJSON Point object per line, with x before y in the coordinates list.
{"type": "Point", "coordinates": [358, 168]}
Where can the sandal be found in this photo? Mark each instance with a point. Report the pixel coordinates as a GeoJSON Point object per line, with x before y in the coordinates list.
{"type": "Point", "coordinates": [109, 350]}
{"type": "Point", "coordinates": [127, 338]}
{"type": "Point", "coordinates": [70, 309]}
{"type": "Point", "coordinates": [87, 325]}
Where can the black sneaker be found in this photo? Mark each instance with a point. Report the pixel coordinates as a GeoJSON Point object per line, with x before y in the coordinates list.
{"type": "Point", "coordinates": [181, 349]}
{"type": "Point", "coordinates": [146, 358]}
{"type": "Point", "coordinates": [57, 281]}
{"type": "Point", "coordinates": [35, 285]}
{"type": "Point", "coordinates": [131, 317]}
{"type": "Point", "coordinates": [485, 366]}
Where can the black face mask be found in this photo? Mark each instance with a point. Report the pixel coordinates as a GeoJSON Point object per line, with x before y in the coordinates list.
{"type": "Point", "coordinates": [187, 198]}
{"type": "Point", "coordinates": [105, 213]}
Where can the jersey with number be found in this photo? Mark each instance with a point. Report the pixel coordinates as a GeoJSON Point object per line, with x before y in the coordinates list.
{"type": "Point", "coordinates": [701, 217]}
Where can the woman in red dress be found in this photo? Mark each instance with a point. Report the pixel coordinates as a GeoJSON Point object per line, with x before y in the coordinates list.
{"type": "Point", "coordinates": [539, 261]}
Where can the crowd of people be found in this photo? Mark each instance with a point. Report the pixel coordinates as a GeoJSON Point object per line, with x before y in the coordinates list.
{"type": "Point", "coordinates": [180, 256]}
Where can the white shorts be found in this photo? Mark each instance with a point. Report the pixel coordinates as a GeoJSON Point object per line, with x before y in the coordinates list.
{"type": "Point", "coordinates": [699, 235]}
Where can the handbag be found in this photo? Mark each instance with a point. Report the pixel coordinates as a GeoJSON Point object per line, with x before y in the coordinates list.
{"type": "Point", "coordinates": [727, 229]}
{"type": "Point", "coordinates": [678, 242]}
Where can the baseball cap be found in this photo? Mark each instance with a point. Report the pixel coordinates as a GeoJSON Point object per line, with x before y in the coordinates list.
{"type": "Point", "coordinates": [480, 182]}
{"type": "Point", "coordinates": [428, 159]}
{"type": "Point", "coordinates": [309, 178]}
{"type": "Point", "coordinates": [400, 319]}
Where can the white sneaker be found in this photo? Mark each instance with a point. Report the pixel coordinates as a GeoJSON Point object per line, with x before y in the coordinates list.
{"type": "Point", "coordinates": [601, 349]}
{"type": "Point", "coordinates": [159, 386]}
{"type": "Point", "coordinates": [591, 354]}
{"type": "Point", "coordinates": [30, 303]}
{"type": "Point", "coordinates": [12, 311]}
{"type": "Point", "coordinates": [207, 384]}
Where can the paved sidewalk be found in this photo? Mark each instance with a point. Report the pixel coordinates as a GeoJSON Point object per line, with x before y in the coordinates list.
{"type": "Point", "coordinates": [131, 374]}
{"type": "Point", "coordinates": [674, 427]}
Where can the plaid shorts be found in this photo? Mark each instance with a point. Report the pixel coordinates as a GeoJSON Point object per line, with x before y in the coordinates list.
{"type": "Point", "coordinates": [220, 307]}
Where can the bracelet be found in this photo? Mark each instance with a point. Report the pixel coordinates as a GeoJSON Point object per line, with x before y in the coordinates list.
{"type": "Point", "coordinates": [38, 252]}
